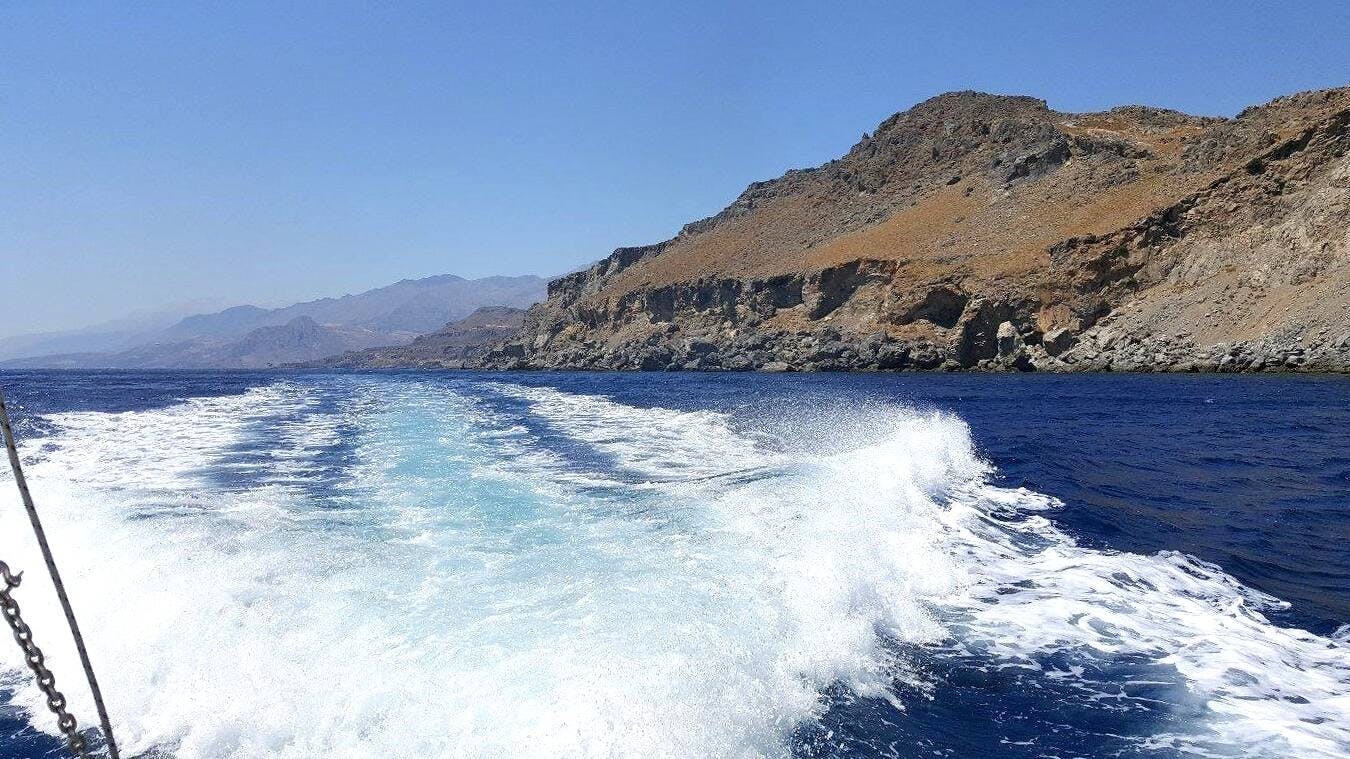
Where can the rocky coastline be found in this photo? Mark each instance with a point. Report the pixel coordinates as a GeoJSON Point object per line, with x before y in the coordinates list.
{"type": "Point", "coordinates": [1100, 349]}
{"type": "Point", "coordinates": [989, 233]}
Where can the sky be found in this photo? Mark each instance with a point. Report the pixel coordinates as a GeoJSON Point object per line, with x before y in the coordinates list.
{"type": "Point", "coordinates": [269, 152]}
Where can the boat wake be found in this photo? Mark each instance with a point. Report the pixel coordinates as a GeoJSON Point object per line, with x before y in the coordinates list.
{"type": "Point", "coordinates": [378, 567]}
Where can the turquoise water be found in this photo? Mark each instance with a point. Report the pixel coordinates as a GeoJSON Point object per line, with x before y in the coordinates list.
{"type": "Point", "coordinates": [693, 565]}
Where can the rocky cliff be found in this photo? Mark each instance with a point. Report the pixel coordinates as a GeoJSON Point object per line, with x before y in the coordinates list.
{"type": "Point", "coordinates": [979, 231]}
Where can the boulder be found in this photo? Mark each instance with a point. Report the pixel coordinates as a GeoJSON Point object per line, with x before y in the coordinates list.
{"type": "Point", "coordinates": [1056, 341]}
{"type": "Point", "coordinates": [1009, 341]}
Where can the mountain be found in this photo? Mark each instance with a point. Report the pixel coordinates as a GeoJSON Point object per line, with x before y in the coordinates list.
{"type": "Point", "coordinates": [978, 231]}
{"type": "Point", "coordinates": [113, 335]}
{"type": "Point", "coordinates": [446, 348]}
{"type": "Point", "coordinates": [230, 322]}
{"type": "Point", "coordinates": [404, 309]}
{"type": "Point", "coordinates": [300, 339]}
{"type": "Point", "coordinates": [245, 337]}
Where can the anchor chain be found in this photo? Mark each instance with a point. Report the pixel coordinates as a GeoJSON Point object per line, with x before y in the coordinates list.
{"type": "Point", "coordinates": [56, 701]}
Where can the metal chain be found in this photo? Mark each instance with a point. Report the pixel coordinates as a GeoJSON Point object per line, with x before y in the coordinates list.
{"type": "Point", "coordinates": [56, 701]}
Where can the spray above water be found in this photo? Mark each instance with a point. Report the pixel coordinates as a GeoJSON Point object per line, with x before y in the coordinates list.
{"type": "Point", "coordinates": [379, 567]}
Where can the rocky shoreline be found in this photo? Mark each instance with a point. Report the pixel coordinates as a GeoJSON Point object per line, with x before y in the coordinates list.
{"type": "Point", "coordinates": [1101, 349]}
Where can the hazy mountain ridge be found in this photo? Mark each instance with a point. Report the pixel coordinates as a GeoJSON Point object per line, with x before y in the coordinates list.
{"type": "Point", "coordinates": [449, 347]}
{"type": "Point", "coordinates": [111, 335]}
{"type": "Point", "coordinates": [253, 337]}
{"type": "Point", "coordinates": [979, 231]}
{"type": "Point", "coordinates": [301, 339]}
{"type": "Point", "coordinates": [406, 308]}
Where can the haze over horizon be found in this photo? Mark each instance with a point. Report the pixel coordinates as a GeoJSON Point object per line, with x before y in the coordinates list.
{"type": "Point", "coordinates": [248, 155]}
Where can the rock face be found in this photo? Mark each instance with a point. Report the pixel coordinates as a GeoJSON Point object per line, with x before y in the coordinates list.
{"type": "Point", "coordinates": [980, 231]}
{"type": "Point", "coordinates": [447, 348]}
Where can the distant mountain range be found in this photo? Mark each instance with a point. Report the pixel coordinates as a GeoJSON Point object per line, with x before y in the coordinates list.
{"type": "Point", "coordinates": [113, 335]}
{"type": "Point", "coordinates": [245, 337]}
{"type": "Point", "coordinates": [447, 348]}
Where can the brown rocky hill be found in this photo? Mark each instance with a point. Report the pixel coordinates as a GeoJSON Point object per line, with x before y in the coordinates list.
{"type": "Point", "coordinates": [983, 232]}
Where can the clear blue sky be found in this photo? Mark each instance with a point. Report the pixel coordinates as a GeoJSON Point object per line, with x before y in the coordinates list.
{"type": "Point", "coordinates": [268, 152]}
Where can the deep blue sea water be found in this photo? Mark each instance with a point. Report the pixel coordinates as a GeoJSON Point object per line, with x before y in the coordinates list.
{"type": "Point", "coordinates": [456, 564]}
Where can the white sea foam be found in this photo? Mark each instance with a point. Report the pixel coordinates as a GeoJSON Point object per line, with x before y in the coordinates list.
{"type": "Point", "coordinates": [460, 588]}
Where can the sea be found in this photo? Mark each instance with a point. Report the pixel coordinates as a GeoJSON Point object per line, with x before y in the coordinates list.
{"type": "Point", "coordinates": [455, 564]}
